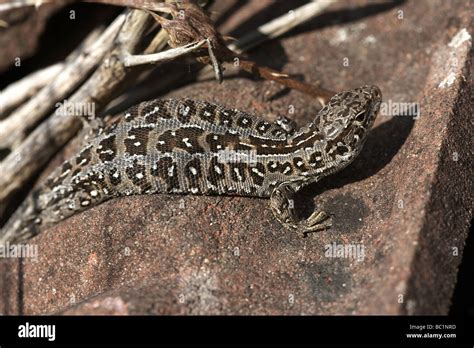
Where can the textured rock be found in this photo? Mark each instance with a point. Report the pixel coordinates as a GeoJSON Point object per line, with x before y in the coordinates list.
{"type": "Point", "coordinates": [26, 24]}
{"type": "Point", "coordinates": [406, 200]}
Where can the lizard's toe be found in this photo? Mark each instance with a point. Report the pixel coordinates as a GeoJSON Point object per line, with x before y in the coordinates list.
{"type": "Point", "coordinates": [318, 221]}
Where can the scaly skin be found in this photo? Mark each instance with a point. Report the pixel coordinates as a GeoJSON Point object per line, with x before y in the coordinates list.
{"type": "Point", "coordinates": [194, 147]}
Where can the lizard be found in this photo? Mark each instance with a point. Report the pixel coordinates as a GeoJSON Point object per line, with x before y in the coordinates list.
{"type": "Point", "coordinates": [183, 146]}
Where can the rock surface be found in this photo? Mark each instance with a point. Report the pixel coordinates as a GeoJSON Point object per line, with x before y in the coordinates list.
{"type": "Point", "coordinates": [405, 202]}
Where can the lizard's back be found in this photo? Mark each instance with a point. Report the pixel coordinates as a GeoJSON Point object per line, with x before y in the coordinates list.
{"type": "Point", "coordinates": [172, 146]}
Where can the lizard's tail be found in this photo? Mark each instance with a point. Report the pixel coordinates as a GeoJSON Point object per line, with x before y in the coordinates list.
{"type": "Point", "coordinates": [24, 222]}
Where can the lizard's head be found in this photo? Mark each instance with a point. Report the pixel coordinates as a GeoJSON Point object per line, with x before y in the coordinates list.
{"type": "Point", "coordinates": [345, 122]}
{"type": "Point", "coordinates": [355, 109]}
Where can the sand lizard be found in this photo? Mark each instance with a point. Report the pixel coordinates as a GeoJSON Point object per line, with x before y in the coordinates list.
{"type": "Point", "coordinates": [193, 147]}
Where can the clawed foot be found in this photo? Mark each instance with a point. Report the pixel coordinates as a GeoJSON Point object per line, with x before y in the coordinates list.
{"type": "Point", "coordinates": [282, 204]}
{"type": "Point", "coordinates": [318, 221]}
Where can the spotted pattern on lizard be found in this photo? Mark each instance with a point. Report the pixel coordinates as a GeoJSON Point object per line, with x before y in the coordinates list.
{"type": "Point", "coordinates": [182, 146]}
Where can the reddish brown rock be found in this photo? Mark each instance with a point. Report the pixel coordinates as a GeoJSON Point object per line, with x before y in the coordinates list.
{"type": "Point", "coordinates": [19, 40]}
{"type": "Point", "coordinates": [406, 200]}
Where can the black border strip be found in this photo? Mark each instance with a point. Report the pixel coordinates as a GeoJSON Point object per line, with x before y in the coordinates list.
{"type": "Point", "coordinates": [239, 329]}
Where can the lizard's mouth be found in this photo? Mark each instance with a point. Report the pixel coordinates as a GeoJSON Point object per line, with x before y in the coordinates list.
{"type": "Point", "coordinates": [374, 107]}
{"type": "Point", "coordinates": [374, 110]}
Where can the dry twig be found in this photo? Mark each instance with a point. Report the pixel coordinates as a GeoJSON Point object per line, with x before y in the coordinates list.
{"type": "Point", "coordinates": [182, 32]}
{"type": "Point", "coordinates": [80, 63]}
{"type": "Point", "coordinates": [20, 165]}
{"type": "Point", "coordinates": [20, 91]}
{"type": "Point", "coordinates": [139, 59]}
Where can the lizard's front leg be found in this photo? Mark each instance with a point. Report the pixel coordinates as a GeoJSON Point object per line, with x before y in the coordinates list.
{"type": "Point", "coordinates": [282, 204]}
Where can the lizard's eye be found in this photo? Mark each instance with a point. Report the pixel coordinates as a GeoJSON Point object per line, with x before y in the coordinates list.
{"type": "Point", "coordinates": [360, 117]}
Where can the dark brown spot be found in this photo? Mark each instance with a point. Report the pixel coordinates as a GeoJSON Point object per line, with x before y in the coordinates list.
{"type": "Point", "coordinates": [166, 141]}
{"type": "Point", "coordinates": [360, 132]}
{"type": "Point", "coordinates": [216, 142]}
{"type": "Point", "coordinates": [107, 149]}
{"type": "Point", "coordinates": [154, 111]}
{"type": "Point", "coordinates": [66, 166]}
{"type": "Point", "coordinates": [237, 171]}
{"type": "Point", "coordinates": [193, 173]}
{"type": "Point", "coordinates": [187, 139]}
{"type": "Point", "coordinates": [185, 109]}
{"type": "Point", "coordinates": [225, 117]}
{"type": "Point", "coordinates": [132, 113]}
{"type": "Point", "coordinates": [216, 171]}
{"type": "Point", "coordinates": [252, 190]}
{"type": "Point", "coordinates": [219, 142]}
{"type": "Point", "coordinates": [74, 173]}
{"type": "Point", "coordinates": [211, 191]}
{"type": "Point", "coordinates": [342, 150]}
{"type": "Point", "coordinates": [263, 127]}
{"type": "Point", "coordinates": [208, 112]}
{"type": "Point", "coordinates": [84, 157]}
{"type": "Point", "coordinates": [273, 166]}
{"type": "Point", "coordinates": [316, 160]}
{"type": "Point", "coordinates": [244, 122]}
{"type": "Point", "coordinates": [299, 164]}
{"type": "Point", "coordinates": [257, 173]}
{"type": "Point", "coordinates": [137, 140]}
{"type": "Point", "coordinates": [137, 175]}
{"type": "Point", "coordinates": [166, 169]}
{"type": "Point", "coordinates": [286, 168]}
{"type": "Point", "coordinates": [98, 180]}
{"type": "Point", "coordinates": [183, 138]}
{"type": "Point", "coordinates": [115, 177]}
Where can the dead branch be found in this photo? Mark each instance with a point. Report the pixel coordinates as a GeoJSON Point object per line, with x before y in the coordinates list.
{"type": "Point", "coordinates": [20, 91]}
{"type": "Point", "coordinates": [280, 25]}
{"type": "Point", "coordinates": [78, 66]}
{"type": "Point", "coordinates": [160, 57]}
{"type": "Point", "coordinates": [194, 25]}
{"type": "Point", "coordinates": [20, 165]}
{"type": "Point", "coordinates": [274, 29]}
